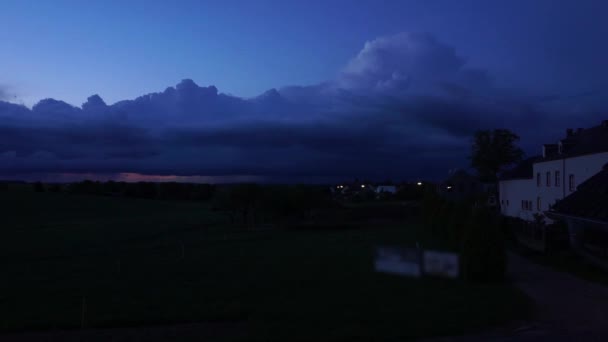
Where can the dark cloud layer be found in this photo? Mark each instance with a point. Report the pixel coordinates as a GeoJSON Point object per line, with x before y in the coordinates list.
{"type": "Point", "coordinates": [404, 107]}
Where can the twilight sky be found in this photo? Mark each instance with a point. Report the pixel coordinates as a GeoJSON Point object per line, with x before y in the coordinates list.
{"type": "Point", "coordinates": [288, 90]}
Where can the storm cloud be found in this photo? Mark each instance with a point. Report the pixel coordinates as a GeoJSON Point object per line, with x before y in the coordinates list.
{"type": "Point", "coordinates": [404, 107]}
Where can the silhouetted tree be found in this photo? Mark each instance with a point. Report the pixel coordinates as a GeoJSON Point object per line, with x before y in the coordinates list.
{"type": "Point", "coordinates": [112, 188]}
{"type": "Point", "coordinates": [493, 151]}
{"type": "Point", "coordinates": [245, 198]}
{"type": "Point", "coordinates": [86, 187]}
{"type": "Point", "coordinates": [483, 255]}
{"type": "Point", "coordinates": [39, 187]}
{"type": "Point", "coordinates": [141, 190]}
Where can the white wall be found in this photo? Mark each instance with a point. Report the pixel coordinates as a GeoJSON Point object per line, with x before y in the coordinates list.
{"type": "Point", "coordinates": [582, 167]}
{"type": "Point", "coordinates": [548, 194]}
{"type": "Point", "coordinates": [514, 191]}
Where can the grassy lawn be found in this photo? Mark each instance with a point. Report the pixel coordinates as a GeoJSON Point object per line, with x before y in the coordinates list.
{"type": "Point", "coordinates": [124, 258]}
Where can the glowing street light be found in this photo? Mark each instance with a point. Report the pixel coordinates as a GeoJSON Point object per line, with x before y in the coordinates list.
{"type": "Point", "coordinates": [363, 185]}
{"type": "Point", "coordinates": [419, 183]}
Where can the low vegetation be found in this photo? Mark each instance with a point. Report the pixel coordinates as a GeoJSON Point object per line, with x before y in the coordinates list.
{"type": "Point", "coordinates": [132, 261]}
{"type": "Point", "coordinates": [475, 233]}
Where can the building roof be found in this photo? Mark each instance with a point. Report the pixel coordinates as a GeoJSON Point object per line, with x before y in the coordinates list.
{"type": "Point", "coordinates": [590, 201]}
{"type": "Point", "coordinates": [523, 170]}
{"type": "Point", "coordinates": [582, 141]}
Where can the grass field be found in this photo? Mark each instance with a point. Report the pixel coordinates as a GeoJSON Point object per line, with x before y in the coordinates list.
{"type": "Point", "coordinates": [143, 262]}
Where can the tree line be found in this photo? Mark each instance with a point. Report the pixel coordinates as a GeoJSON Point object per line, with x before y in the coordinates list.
{"type": "Point", "coordinates": [149, 190]}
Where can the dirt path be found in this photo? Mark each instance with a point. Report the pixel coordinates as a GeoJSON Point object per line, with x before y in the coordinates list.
{"type": "Point", "coordinates": [567, 308]}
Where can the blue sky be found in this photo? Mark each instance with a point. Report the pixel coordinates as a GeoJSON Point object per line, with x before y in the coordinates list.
{"type": "Point", "coordinates": [400, 85]}
{"type": "Point", "coordinates": [121, 49]}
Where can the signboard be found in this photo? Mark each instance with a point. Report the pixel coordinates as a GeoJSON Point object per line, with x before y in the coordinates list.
{"type": "Point", "coordinates": [441, 264]}
{"type": "Point", "coordinates": [402, 261]}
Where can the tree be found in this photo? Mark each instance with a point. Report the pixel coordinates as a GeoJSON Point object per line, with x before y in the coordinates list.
{"type": "Point", "coordinates": [483, 253]}
{"type": "Point", "coordinates": [38, 187]}
{"type": "Point", "coordinates": [245, 197]}
{"type": "Point", "coordinates": [493, 151]}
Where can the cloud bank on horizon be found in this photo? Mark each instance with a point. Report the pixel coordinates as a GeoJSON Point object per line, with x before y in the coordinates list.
{"type": "Point", "coordinates": [404, 107]}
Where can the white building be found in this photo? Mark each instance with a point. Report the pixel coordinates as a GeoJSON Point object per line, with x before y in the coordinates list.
{"type": "Point", "coordinates": [538, 183]}
{"type": "Point", "coordinates": [386, 189]}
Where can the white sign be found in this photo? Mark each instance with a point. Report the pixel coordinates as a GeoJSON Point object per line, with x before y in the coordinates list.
{"type": "Point", "coordinates": [402, 261]}
{"type": "Point", "coordinates": [441, 264]}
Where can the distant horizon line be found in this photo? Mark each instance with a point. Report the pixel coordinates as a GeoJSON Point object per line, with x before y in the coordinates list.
{"type": "Point", "coordinates": [133, 177]}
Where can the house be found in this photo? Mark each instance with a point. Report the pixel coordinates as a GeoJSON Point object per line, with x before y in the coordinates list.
{"type": "Point", "coordinates": [515, 188]}
{"type": "Point", "coordinates": [536, 184]}
{"type": "Point", "coordinates": [354, 189]}
{"type": "Point", "coordinates": [461, 185]}
{"type": "Point", "coordinates": [586, 213]}
{"type": "Point", "coordinates": [386, 189]}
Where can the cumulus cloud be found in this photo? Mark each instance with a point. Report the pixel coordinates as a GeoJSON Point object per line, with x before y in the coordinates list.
{"type": "Point", "coordinates": [408, 64]}
{"type": "Point", "coordinates": [405, 106]}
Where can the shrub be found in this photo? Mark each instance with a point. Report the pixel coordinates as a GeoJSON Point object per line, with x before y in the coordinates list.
{"type": "Point", "coordinates": [86, 187]}
{"type": "Point", "coordinates": [558, 237]}
{"type": "Point", "coordinates": [483, 255]}
{"type": "Point", "coordinates": [38, 187]}
{"type": "Point", "coordinates": [55, 188]}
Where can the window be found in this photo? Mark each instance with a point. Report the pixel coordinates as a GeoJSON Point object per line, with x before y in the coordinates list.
{"type": "Point", "coordinates": [549, 178]}
{"type": "Point", "coordinates": [558, 179]}
{"type": "Point", "coordinates": [538, 203]}
{"type": "Point", "coordinates": [571, 184]}
{"type": "Point", "coordinates": [538, 181]}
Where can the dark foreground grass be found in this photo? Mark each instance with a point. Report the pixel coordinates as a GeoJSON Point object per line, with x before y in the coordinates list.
{"type": "Point", "coordinates": [141, 262]}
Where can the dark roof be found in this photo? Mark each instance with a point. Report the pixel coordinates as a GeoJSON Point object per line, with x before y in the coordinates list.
{"type": "Point", "coordinates": [584, 141]}
{"type": "Point", "coordinates": [523, 170]}
{"type": "Point", "coordinates": [589, 201]}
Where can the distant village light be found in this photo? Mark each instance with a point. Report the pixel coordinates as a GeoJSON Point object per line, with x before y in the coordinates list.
{"type": "Point", "coordinates": [363, 185]}
{"type": "Point", "coordinates": [419, 183]}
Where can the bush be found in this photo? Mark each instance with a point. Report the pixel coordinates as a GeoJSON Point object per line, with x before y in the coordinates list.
{"type": "Point", "coordinates": [38, 187]}
{"type": "Point", "coordinates": [558, 237]}
{"type": "Point", "coordinates": [3, 186]}
{"type": "Point", "coordinates": [141, 190]}
{"type": "Point", "coordinates": [55, 188]}
{"type": "Point", "coordinates": [483, 254]}
{"type": "Point", "coordinates": [86, 187]}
